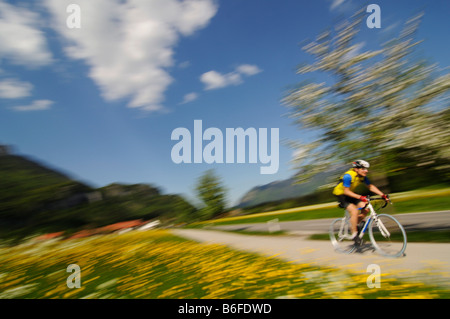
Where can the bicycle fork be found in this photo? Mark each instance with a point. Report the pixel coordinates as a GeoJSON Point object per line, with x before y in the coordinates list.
{"type": "Point", "coordinates": [383, 230]}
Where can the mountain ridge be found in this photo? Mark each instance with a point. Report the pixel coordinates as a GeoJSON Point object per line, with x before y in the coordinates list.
{"type": "Point", "coordinates": [287, 189]}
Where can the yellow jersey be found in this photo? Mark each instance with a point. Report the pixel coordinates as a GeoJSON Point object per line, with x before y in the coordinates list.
{"type": "Point", "coordinates": [351, 180]}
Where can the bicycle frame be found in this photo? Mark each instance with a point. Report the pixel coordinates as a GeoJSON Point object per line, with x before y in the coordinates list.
{"type": "Point", "coordinates": [341, 238]}
{"type": "Point", "coordinates": [345, 234]}
{"type": "Point", "coordinates": [373, 217]}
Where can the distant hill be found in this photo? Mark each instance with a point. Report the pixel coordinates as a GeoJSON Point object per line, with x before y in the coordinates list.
{"type": "Point", "coordinates": [286, 189]}
{"type": "Point", "coordinates": [28, 188]}
{"type": "Point", "coordinates": [35, 198]}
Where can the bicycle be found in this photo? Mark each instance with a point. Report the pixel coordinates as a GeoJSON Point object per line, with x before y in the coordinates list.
{"type": "Point", "coordinates": [386, 234]}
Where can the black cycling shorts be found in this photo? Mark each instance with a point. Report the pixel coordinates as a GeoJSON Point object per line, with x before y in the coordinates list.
{"type": "Point", "coordinates": [344, 200]}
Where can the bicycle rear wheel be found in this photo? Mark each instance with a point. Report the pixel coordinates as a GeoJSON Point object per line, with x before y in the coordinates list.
{"type": "Point", "coordinates": [388, 236]}
{"type": "Point", "coordinates": [340, 233]}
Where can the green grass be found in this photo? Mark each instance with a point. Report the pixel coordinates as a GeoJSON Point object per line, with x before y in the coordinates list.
{"type": "Point", "coordinates": [438, 236]}
{"type": "Point", "coordinates": [305, 215]}
{"type": "Point", "coordinates": [422, 205]}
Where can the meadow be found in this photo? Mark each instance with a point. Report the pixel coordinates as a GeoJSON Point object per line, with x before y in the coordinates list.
{"type": "Point", "coordinates": [158, 265]}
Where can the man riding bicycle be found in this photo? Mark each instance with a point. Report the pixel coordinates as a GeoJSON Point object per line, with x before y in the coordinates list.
{"type": "Point", "coordinates": [349, 200]}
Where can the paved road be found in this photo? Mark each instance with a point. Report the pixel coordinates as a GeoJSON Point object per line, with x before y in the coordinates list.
{"type": "Point", "coordinates": [428, 262]}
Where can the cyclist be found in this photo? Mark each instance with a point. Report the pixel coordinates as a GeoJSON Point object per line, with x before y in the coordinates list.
{"type": "Point", "coordinates": [348, 199]}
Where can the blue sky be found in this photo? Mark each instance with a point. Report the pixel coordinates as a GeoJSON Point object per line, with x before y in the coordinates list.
{"type": "Point", "coordinates": [100, 102]}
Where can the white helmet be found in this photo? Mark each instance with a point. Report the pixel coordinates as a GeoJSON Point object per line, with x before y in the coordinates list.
{"type": "Point", "coordinates": [360, 164]}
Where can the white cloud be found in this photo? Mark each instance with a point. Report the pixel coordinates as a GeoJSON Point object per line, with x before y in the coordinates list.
{"type": "Point", "coordinates": [129, 45]}
{"type": "Point", "coordinates": [215, 80]}
{"type": "Point", "coordinates": [38, 105]}
{"type": "Point", "coordinates": [21, 41]}
{"type": "Point", "coordinates": [14, 89]}
{"type": "Point", "coordinates": [190, 97]}
{"type": "Point", "coordinates": [248, 69]}
{"type": "Point", "coordinates": [184, 65]}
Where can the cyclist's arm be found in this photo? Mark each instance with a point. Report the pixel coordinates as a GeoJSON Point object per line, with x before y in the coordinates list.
{"type": "Point", "coordinates": [349, 193]}
{"type": "Point", "coordinates": [347, 182]}
{"type": "Point", "coordinates": [375, 190]}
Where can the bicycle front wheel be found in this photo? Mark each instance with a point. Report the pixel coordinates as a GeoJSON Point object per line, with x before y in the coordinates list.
{"type": "Point", "coordinates": [340, 236]}
{"type": "Point", "coordinates": [387, 236]}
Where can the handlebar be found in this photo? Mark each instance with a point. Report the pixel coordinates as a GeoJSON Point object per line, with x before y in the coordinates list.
{"type": "Point", "coordinates": [375, 198]}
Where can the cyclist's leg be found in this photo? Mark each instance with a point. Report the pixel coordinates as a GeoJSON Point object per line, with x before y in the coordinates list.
{"type": "Point", "coordinates": [363, 212]}
{"type": "Point", "coordinates": [354, 217]}
{"type": "Point", "coordinates": [351, 205]}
